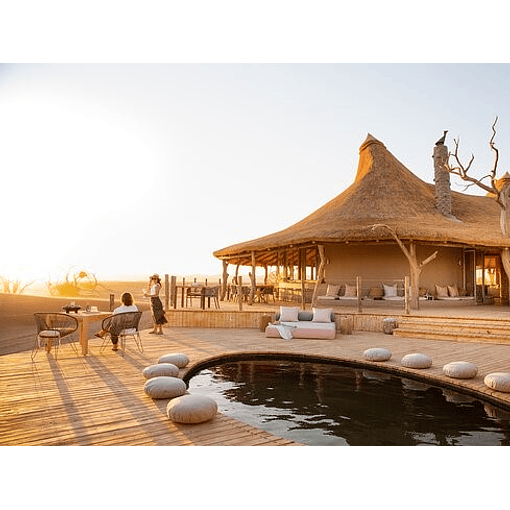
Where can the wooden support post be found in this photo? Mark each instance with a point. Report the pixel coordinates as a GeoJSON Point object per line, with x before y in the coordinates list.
{"type": "Point", "coordinates": [252, 279]}
{"type": "Point", "coordinates": [320, 272]}
{"type": "Point", "coordinates": [173, 291]}
{"type": "Point", "coordinates": [406, 295]}
{"type": "Point", "coordinates": [167, 293]}
{"type": "Point", "coordinates": [358, 294]}
{"type": "Point", "coordinates": [240, 292]}
{"type": "Point", "coordinates": [112, 302]}
{"type": "Point", "coordinates": [224, 281]}
{"type": "Point", "coordinates": [183, 292]}
{"type": "Point", "coordinates": [303, 292]}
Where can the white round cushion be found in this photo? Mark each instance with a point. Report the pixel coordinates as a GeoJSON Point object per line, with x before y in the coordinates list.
{"type": "Point", "coordinates": [167, 369]}
{"type": "Point", "coordinates": [460, 370]}
{"type": "Point", "coordinates": [165, 387]}
{"type": "Point", "coordinates": [416, 360]}
{"type": "Point", "coordinates": [377, 354]}
{"type": "Point", "coordinates": [178, 359]}
{"type": "Point", "coordinates": [191, 409]}
{"type": "Point", "coordinates": [499, 381]}
{"type": "Point", "coordinates": [49, 333]}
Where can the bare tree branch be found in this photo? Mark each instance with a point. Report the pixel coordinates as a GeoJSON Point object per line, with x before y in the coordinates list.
{"type": "Point", "coordinates": [462, 171]}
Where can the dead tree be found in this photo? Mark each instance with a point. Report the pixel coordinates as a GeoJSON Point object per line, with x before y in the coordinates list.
{"type": "Point", "coordinates": [415, 267]}
{"type": "Point", "coordinates": [489, 183]}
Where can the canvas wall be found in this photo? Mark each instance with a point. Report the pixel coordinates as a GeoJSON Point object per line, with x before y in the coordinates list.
{"type": "Point", "coordinates": [384, 264]}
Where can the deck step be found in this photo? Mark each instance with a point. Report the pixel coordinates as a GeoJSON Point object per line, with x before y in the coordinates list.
{"type": "Point", "coordinates": [454, 329]}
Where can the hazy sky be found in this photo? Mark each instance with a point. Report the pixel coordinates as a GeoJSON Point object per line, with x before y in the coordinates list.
{"type": "Point", "coordinates": [124, 170]}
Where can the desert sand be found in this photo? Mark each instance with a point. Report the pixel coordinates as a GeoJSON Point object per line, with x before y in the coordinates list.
{"type": "Point", "coordinates": [17, 324]}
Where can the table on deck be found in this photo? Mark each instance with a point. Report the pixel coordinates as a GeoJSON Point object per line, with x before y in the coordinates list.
{"type": "Point", "coordinates": [84, 319]}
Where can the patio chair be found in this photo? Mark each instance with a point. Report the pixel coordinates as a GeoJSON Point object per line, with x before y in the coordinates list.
{"type": "Point", "coordinates": [212, 293]}
{"type": "Point", "coordinates": [125, 325]}
{"type": "Point", "coordinates": [52, 326]}
{"type": "Point", "coordinates": [194, 293]}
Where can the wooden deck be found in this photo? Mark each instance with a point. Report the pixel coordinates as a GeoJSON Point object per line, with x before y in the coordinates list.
{"type": "Point", "coordinates": [99, 399]}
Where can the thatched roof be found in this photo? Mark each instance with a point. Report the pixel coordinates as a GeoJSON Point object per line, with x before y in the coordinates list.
{"type": "Point", "coordinates": [384, 191]}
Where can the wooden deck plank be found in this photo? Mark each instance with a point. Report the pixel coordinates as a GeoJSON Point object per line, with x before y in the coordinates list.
{"type": "Point", "coordinates": [99, 399]}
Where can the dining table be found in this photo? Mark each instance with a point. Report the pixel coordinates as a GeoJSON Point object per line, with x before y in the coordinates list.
{"type": "Point", "coordinates": [84, 319]}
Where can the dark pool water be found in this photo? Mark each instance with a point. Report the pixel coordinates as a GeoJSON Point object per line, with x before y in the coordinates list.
{"type": "Point", "coordinates": [327, 404]}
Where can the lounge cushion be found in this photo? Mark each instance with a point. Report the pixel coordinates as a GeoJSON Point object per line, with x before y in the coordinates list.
{"type": "Point", "coordinates": [416, 360]}
{"type": "Point", "coordinates": [167, 369]}
{"type": "Point", "coordinates": [178, 359]}
{"type": "Point", "coordinates": [390, 290]}
{"type": "Point", "coordinates": [322, 314]}
{"type": "Point", "coordinates": [377, 354]}
{"type": "Point", "coordinates": [305, 329]}
{"type": "Point", "coordinates": [332, 291]}
{"type": "Point", "coordinates": [460, 370]}
{"type": "Point", "coordinates": [164, 387]}
{"type": "Point", "coordinates": [191, 409]}
{"type": "Point", "coordinates": [350, 291]}
{"type": "Point", "coordinates": [49, 333]}
{"type": "Point", "coordinates": [289, 313]}
{"type": "Point", "coordinates": [499, 381]}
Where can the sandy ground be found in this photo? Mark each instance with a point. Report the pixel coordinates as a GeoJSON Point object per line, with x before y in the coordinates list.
{"type": "Point", "coordinates": [17, 324]}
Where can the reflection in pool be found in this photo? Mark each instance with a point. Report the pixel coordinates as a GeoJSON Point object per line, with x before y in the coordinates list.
{"type": "Point", "coordinates": [330, 404]}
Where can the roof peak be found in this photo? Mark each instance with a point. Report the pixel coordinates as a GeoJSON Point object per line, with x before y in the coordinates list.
{"type": "Point", "coordinates": [370, 140]}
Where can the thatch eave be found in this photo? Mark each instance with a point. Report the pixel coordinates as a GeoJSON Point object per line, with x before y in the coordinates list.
{"type": "Point", "coordinates": [384, 192]}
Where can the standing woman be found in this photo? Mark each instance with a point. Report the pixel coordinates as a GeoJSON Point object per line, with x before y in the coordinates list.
{"type": "Point", "coordinates": [158, 314]}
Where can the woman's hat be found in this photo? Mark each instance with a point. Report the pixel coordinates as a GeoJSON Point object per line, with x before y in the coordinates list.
{"type": "Point", "coordinates": [155, 275]}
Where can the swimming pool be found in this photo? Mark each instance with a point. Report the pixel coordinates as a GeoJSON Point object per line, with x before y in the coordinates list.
{"type": "Point", "coordinates": [330, 404]}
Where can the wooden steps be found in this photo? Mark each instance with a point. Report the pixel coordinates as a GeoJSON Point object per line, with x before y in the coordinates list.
{"type": "Point", "coordinates": [455, 329]}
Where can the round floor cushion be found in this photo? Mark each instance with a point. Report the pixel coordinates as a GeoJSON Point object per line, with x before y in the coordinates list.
{"type": "Point", "coordinates": [499, 381]}
{"type": "Point", "coordinates": [167, 369]}
{"type": "Point", "coordinates": [416, 360]}
{"type": "Point", "coordinates": [178, 359]}
{"type": "Point", "coordinates": [191, 409]}
{"type": "Point", "coordinates": [165, 387]}
{"type": "Point", "coordinates": [460, 370]}
{"type": "Point", "coordinates": [377, 354]}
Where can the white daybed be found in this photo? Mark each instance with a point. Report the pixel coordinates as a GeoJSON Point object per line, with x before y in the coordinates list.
{"type": "Point", "coordinates": [302, 324]}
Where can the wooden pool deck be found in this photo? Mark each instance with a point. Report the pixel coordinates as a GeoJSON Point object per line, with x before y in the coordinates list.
{"type": "Point", "coordinates": [99, 400]}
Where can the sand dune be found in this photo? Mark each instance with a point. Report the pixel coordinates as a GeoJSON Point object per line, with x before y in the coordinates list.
{"type": "Point", "coordinates": [17, 325]}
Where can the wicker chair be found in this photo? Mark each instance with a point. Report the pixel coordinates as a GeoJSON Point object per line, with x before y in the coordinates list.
{"type": "Point", "coordinates": [52, 326]}
{"type": "Point", "coordinates": [124, 325]}
{"type": "Point", "coordinates": [212, 293]}
{"type": "Point", "coordinates": [194, 293]}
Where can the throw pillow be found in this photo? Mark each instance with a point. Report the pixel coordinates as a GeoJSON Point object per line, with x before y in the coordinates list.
{"type": "Point", "coordinates": [390, 290]}
{"type": "Point", "coordinates": [332, 290]}
{"type": "Point", "coordinates": [453, 291]}
{"type": "Point", "coordinates": [441, 291]}
{"type": "Point", "coordinates": [289, 313]}
{"type": "Point", "coordinates": [350, 290]}
{"type": "Point", "coordinates": [322, 314]}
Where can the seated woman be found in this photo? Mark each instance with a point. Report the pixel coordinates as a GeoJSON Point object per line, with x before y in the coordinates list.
{"type": "Point", "coordinates": [112, 327]}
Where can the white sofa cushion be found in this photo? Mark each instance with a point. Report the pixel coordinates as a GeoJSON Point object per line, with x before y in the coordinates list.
{"type": "Point", "coordinates": [322, 314]}
{"type": "Point", "coordinates": [289, 313]}
{"type": "Point", "coordinates": [305, 329]}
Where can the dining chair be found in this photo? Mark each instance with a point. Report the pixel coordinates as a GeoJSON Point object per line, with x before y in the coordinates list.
{"type": "Point", "coordinates": [212, 293]}
{"type": "Point", "coordinates": [52, 326]}
{"type": "Point", "coordinates": [194, 293]}
{"type": "Point", "coordinates": [124, 325]}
